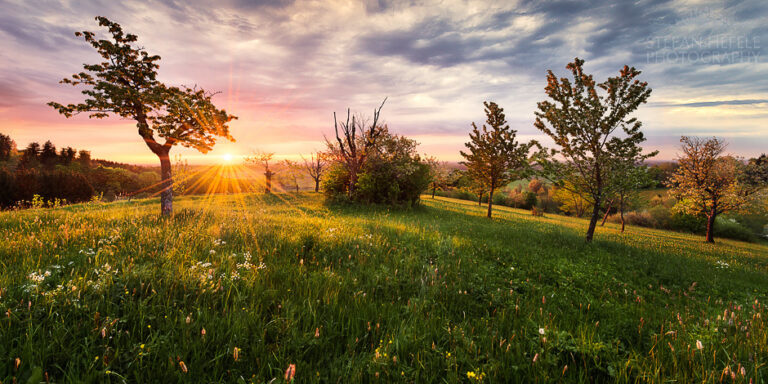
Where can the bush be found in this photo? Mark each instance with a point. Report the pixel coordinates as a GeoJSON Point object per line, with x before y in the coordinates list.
{"type": "Point", "coordinates": [394, 174]}
{"type": "Point", "coordinates": [732, 229]}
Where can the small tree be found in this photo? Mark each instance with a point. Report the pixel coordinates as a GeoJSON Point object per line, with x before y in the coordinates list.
{"type": "Point", "coordinates": [125, 84]}
{"type": "Point", "coordinates": [494, 155]}
{"type": "Point", "coordinates": [291, 173]}
{"type": "Point", "coordinates": [7, 147]}
{"type": "Point", "coordinates": [263, 159]}
{"type": "Point", "coordinates": [48, 156]}
{"type": "Point", "coordinates": [570, 201]}
{"type": "Point", "coordinates": [354, 141]}
{"type": "Point", "coordinates": [315, 167]}
{"type": "Point", "coordinates": [84, 159]}
{"type": "Point", "coordinates": [583, 124]}
{"type": "Point", "coordinates": [709, 183]}
{"type": "Point", "coordinates": [439, 174]}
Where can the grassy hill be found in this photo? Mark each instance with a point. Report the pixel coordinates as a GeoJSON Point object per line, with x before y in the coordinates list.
{"type": "Point", "coordinates": [236, 288]}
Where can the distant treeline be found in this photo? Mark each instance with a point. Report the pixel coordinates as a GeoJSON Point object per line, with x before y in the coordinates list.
{"type": "Point", "coordinates": [65, 175]}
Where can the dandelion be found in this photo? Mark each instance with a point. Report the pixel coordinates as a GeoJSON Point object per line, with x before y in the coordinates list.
{"type": "Point", "coordinates": [290, 372]}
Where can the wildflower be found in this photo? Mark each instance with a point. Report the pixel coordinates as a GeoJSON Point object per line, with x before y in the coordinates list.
{"type": "Point", "coordinates": [188, 320]}
{"type": "Point", "coordinates": [565, 369]}
{"type": "Point", "coordinates": [236, 353]}
{"type": "Point", "coordinates": [699, 346]}
{"type": "Point", "coordinates": [290, 372]}
{"type": "Point", "coordinates": [183, 366]}
{"type": "Point", "coordinates": [202, 332]}
{"type": "Point", "coordinates": [470, 375]}
{"type": "Point", "coordinates": [541, 331]}
{"type": "Point", "coordinates": [535, 357]}
{"type": "Point", "coordinates": [141, 346]}
{"type": "Point", "coordinates": [317, 333]}
{"type": "Point", "coordinates": [103, 332]}
{"type": "Point", "coordinates": [16, 363]}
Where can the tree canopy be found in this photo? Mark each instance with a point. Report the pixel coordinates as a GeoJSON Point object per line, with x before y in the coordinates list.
{"type": "Point", "coordinates": [125, 84]}
{"type": "Point", "coordinates": [584, 119]}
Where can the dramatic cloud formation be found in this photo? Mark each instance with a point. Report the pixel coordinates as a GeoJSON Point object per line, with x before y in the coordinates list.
{"type": "Point", "coordinates": [284, 66]}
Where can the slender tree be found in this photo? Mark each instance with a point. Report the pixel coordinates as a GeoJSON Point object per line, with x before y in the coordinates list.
{"type": "Point", "coordinates": [494, 156]}
{"type": "Point", "coordinates": [48, 156]}
{"type": "Point", "coordinates": [439, 174]}
{"type": "Point", "coordinates": [30, 156]}
{"type": "Point", "coordinates": [584, 118]}
{"type": "Point", "coordinates": [263, 159]}
{"type": "Point", "coordinates": [707, 182]}
{"type": "Point", "coordinates": [315, 167]}
{"type": "Point", "coordinates": [355, 140]}
{"type": "Point", "coordinates": [291, 173]}
{"type": "Point", "coordinates": [7, 147]}
{"type": "Point", "coordinates": [125, 84]}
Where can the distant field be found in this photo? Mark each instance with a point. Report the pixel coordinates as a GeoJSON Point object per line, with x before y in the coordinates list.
{"type": "Point", "coordinates": [236, 288]}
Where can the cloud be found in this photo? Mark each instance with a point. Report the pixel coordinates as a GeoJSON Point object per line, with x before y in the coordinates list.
{"type": "Point", "coordinates": [285, 66]}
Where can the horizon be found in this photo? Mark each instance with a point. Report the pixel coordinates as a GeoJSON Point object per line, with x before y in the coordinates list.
{"type": "Point", "coordinates": [284, 77]}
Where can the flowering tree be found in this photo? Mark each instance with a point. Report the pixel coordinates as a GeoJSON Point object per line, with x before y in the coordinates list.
{"type": "Point", "coordinates": [709, 183]}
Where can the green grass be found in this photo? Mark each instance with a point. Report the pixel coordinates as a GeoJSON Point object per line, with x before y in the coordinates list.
{"type": "Point", "coordinates": [361, 294]}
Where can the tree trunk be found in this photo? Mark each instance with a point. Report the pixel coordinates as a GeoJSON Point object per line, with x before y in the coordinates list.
{"type": "Point", "coordinates": [268, 184]}
{"type": "Point", "coordinates": [711, 226]}
{"type": "Point", "coordinates": [166, 195]}
{"type": "Point", "coordinates": [593, 220]}
{"type": "Point", "coordinates": [621, 213]}
{"type": "Point", "coordinates": [434, 188]}
{"type": "Point", "coordinates": [490, 202]}
{"type": "Point", "coordinates": [317, 185]}
{"type": "Point", "coordinates": [479, 199]}
{"type": "Point", "coordinates": [607, 212]}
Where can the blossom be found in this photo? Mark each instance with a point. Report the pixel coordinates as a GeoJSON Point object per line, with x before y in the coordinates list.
{"type": "Point", "coordinates": [290, 372]}
{"type": "Point", "coordinates": [541, 331]}
{"type": "Point", "coordinates": [699, 346]}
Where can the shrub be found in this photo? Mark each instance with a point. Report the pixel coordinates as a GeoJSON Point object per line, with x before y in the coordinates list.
{"type": "Point", "coordinates": [729, 228]}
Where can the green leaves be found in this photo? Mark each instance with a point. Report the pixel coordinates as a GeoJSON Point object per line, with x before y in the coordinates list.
{"type": "Point", "coordinates": [593, 130]}
{"type": "Point", "coordinates": [125, 84]}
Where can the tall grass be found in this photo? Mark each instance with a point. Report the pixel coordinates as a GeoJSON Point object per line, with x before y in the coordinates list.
{"type": "Point", "coordinates": [237, 288]}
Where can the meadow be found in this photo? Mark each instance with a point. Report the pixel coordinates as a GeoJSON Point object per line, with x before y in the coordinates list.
{"type": "Point", "coordinates": [238, 288]}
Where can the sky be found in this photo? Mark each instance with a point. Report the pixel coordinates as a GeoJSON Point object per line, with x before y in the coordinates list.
{"type": "Point", "coordinates": [284, 66]}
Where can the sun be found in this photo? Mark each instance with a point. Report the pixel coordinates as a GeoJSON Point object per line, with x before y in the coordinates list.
{"type": "Point", "coordinates": [227, 157]}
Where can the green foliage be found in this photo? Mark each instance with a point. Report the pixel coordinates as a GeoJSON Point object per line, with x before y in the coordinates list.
{"type": "Point", "coordinates": [591, 125]}
{"type": "Point", "coordinates": [125, 84]}
{"type": "Point", "coordinates": [393, 173]}
{"type": "Point", "coordinates": [112, 292]}
{"type": "Point", "coordinates": [495, 157]}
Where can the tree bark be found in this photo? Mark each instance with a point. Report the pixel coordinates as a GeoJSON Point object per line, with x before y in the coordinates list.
{"type": "Point", "coordinates": [711, 226]}
{"type": "Point", "coordinates": [166, 195]}
{"type": "Point", "coordinates": [317, 185]}
{"type": "Point", "coordinates": [607, 212]}
{"type": "Point", "coordinates": [490, 202]}
{"type": "Point", "coordinates": [593, 220]}
{"type": "Point", "coordinates": [268, 183]}
{"type": "Point", "coordinates": [479, 199]}
{"type": "Point", "coordinates": [434, 188]}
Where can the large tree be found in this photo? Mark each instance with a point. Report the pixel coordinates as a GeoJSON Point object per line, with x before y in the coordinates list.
{"type": "Point", "coordinates": [707, 182]}
{"type": "Point", "coordinates": [592, 127]}
{"type": "Point", "coordinates": [494, 155]}
{"type": "Point", "coordinates": [125, 84]}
